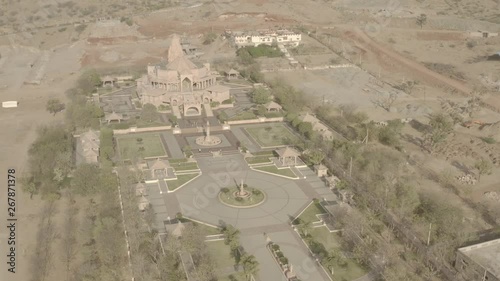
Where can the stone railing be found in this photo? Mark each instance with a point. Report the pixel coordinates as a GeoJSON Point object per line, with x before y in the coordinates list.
{"type": "Point", "coordinates": [256, 121]}
{"type": "Point", "coordinates": [141, 130]}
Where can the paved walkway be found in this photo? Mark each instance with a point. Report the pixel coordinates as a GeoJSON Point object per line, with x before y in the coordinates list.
{"type": "Point", "coordinates": [208, 110]}
{"type": "Point", "coordinates": [170, 143]}
{"type": "Point", "coordinates": [176, 111]}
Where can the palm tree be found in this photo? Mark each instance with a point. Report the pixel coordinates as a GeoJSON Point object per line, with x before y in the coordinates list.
{"type": "Point", "coordinates": [330, 261]}
{"type": "Point", "coordinates": [230, 234]}
{"type": "Point", "coordinates": [250, 265]}
{"type": "Point", "coordinates": [305, 227]}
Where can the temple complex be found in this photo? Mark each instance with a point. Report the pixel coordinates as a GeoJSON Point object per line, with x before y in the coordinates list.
{"type": "Point", "coordinates": [180, 82]}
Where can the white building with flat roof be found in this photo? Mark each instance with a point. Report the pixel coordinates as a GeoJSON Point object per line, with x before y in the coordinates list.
{"type": "Point", "coordinates": [268, 37]}
{"type": "Point", "coordinates": [480, 262]}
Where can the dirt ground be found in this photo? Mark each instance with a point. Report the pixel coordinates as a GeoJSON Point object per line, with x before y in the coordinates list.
{"type": "Point", "coordinates": [42, 59]}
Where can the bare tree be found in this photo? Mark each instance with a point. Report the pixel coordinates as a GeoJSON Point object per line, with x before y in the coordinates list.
{"type": "Point", "coordinates": [386, 102]}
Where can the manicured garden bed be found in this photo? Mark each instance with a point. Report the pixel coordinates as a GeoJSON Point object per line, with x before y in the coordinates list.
{"type": "Point", "coordinates": [181, 179]}
{"type": "Point", "coordinates": [287, 172]}
{"type": "Point", "coordinates": [272, 135]}
{"type": "Point", "coordinates": [143, 145]}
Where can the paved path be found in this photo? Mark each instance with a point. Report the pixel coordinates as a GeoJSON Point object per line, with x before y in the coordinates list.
{"type": "Point", "coordinates": [169, 141]}
{"type": "Point", "coordinates": [208, 110]}
{"type": "Point", "coordinates": [176, 111]}
{"type": "Point", "coordinates": [244, 139]}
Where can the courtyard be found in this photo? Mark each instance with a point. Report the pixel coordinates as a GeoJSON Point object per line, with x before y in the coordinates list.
{"type": "Point", "coordinates": [140, 145]}
{"type": "Point", "coordinates": [271, 135]}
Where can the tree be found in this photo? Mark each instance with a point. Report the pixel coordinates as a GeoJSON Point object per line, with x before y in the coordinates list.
{"type": "Point", "coordinates": [250, 265]}
{"type": "Point", "coordinates": [209, 38]}
{"type": "Point", "coordinates": [85, 179]}
{"type": "Point", "coordinates": [386, 102]}
{"type": "Point", "coordinates": [315, 156]}
{"type": "Point", "coordinates": [440, 126]}
{"type": "Point", "coordinates": [173, 119]}
{"type": "Point", "coordinates": [421, 20]}
{"type": "Point", "coordinates": [261, 95]}
{"type": "Point", "coordinates": [245, 57]}
{"type": "Point", "coordinates": [54, 106]}
{"type": "Point", "coordinates": [187, 150]}
{"type": "Point", "coordinates": [305, 128]}
{"type": "Point", "coordinates": [89, 81]}
{"type": "Point", "coordinates": [149, 113]}
{"type": "Point", "coordinates": [483, 166]}
{"type": "Point", "coordinates": [28, 185]}
{"type": "Point", "coordinates": [305, 227]}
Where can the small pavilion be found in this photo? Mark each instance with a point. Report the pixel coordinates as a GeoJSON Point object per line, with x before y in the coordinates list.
{"type": "Point", "coordinates": [273, 106]}
{"type": "Point", "coordinates": [143, 203]}
{"type": "Point", "coordinates": [159, 168]}
{"type": "Point", "coordinates": [287, 156]}
{"type": "Point", "coordinates": [140, 189]}
{"type": "Point", "coordinates": [114, 117]}
{"type": "Point", "coordinates": [232, 74]}
{"type": "Point", "coordinates": [321, 170]}
{"type": "Point", "coordinates": [108, 80]}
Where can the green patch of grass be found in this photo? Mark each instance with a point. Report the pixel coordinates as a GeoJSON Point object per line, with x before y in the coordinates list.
{"type": "Point", "coordinates": [181, 179]}
{"type": "Point", "coordinates": [272, 135]}
{"type": "Point", "coordinates": [258, 160]}
{"type": "Point", "coordinates": [245, 115]}
{"type": "Point", "coordinates": [261, 51]}
{"type": "Point", "coordinates": [350, 271]}
{"type": "Point", "coordinates": [177, 160]}
{"type": "Point", "coordinates": [220, 252]}
{"type": "Point", "coordinates": [309, 214]}
{"type": "Point", "coordinates": [489, 140]}
{"type": "Point", "coordinates": [205, 229]}
{"type": "Point", "coordinates": [143, 124]}
{"type": "Point", "coordinates": [143, 145]}
{"type": "Point", "coordinates": [184, 166]}
{"type": "Point", "coordinates": [274, 170]}
{"type": "Point", "coordinates": [269, 153]}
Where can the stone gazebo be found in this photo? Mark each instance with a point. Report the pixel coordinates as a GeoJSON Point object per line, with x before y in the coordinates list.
{"type": "Point", "coordinates": [114, 117]}
{"type": "Point", "coordinates": [273, 106]}
{"type": "Point", "coordinates": [321, 170]}
{"type": "Point", "coordinates": [159, 169]}
{"type": "Point", "coordinates": [232, 74]}
{"type": "Point", "coordinates": [287, 156]}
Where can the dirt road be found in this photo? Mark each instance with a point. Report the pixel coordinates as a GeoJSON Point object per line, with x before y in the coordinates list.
{"type": "Point", "coordinates": [413, 68]}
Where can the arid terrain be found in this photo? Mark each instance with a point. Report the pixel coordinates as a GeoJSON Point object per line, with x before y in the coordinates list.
{"type": "Point", "coordinates": [45, 44]}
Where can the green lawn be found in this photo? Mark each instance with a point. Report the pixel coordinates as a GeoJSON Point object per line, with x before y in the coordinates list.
{"type": "Point", "coordinates": [181, 179]}
{"type": "Point", "coordinates": [269, 153]}
{"type": "Point", "coordinates": [309, 214]}
{"type": "Point", "coordinates": [143, 145]}
{"type": "Point", "coordinates": [273, 170]}
{"type": "Point", "coordinates": [205, 229]}
{"type": "Point", "coordinates": [272, 135]}
{"type": "Point", "coordinates": [351, 271]}
{"type": "Point", "coordinates": [258, 160]}
{"type": "Point", "coordinates": [331, 241]}
{"type": "Point", "coordinates": [245, 115]}
{"type": "Point", "coordinates": [184, 166]}
{"type": "Point", "coordinates": [177, 160]}
{"type": "Point", "coordinates": [220, 253]}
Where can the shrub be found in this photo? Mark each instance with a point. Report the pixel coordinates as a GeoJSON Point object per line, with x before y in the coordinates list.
{"type": "Point", "coordinates": [239, 199]}
{"type": "Point", "coordinates": [275, 247]}
{"type": "Point", "coordinates": [256, 192]}
{"type": "Point", "coordinates": [489, 140]}
{"type": "Point", "coordinates": [279, 254]}
{"type": "Point", "coordinates": [471, 44]}
{"type": "Point", "coordinates": [228, 101]}
{"type": "Point", "coordinates": [224, 190]}
{"type": "Point", "coordinates": [283, 260]}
